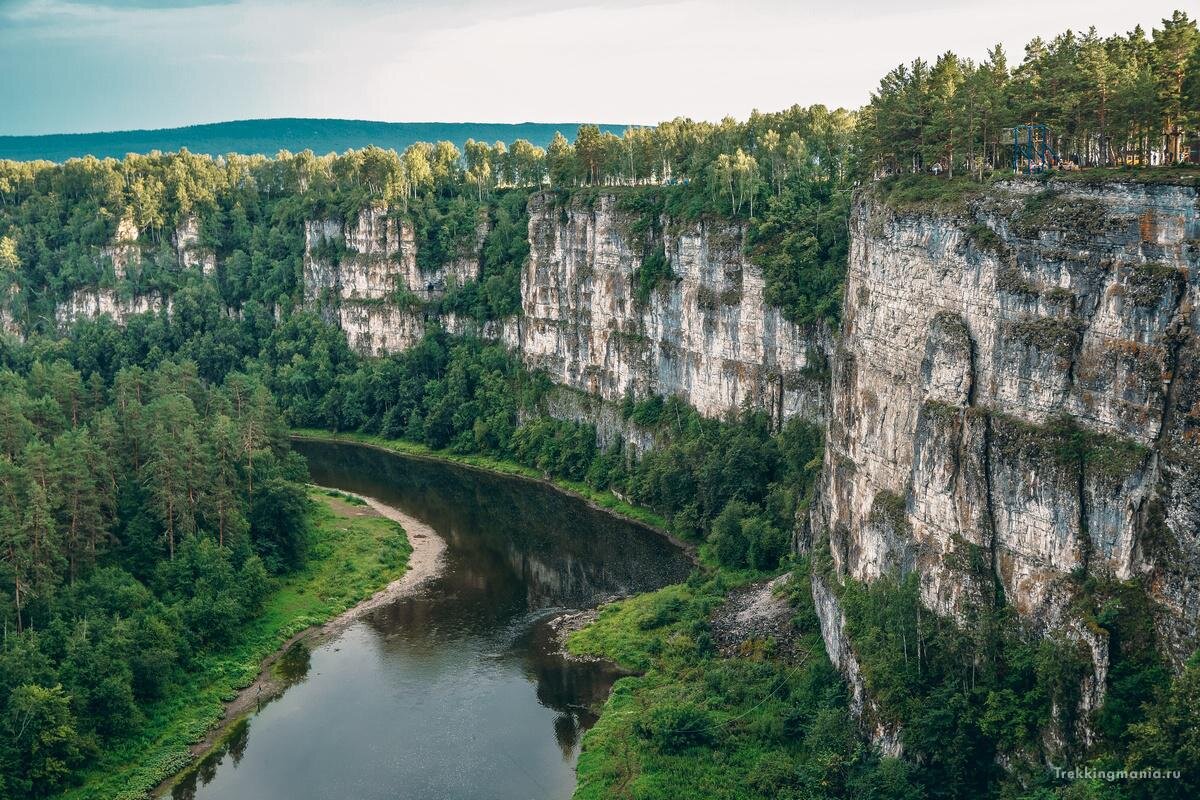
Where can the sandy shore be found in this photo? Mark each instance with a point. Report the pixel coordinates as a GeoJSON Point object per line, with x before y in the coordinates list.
{"type": "Point", "coordinates": [689, 549]}
{"type": "Point", "coordinates": [424, 564]}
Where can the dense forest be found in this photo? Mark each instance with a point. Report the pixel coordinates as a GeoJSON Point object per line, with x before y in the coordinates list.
{"type": "Point", "coordinates": [141, 520]}
{"type": "Point", "coordinates": [1116, 100]}
{"type": "Point", "coordinates": [148, 500]}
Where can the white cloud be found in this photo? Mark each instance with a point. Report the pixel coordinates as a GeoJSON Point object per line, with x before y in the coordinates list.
{"type": "Point", "coordinates": [131, 63]}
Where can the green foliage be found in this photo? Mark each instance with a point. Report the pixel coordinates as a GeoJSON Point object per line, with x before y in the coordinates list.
{"type": "Point", "coordinates": [694, 724]}
{"type": "Point", "coordinates": [672, 728]}
{"type": "Point", "coordinates": [43, 744]}
{"type": "Point", "coordinates": [350, 557]}
{"type": "Point", "coordinates": [962, 695]}
{"type": "Point", "coordinates": [927, 193]}
{"type": "Point", "coordinates": [497, 293]}
{"type": "Point", "coordinates": [445, 228]}
{"type": "Point", "coordinates": [558, 448]}
{"type": "Point", "coordinates": [131, 518]}
{"type": "Point", "coordinates": [653, 274]}
{"type": "Point", "coordinates": [801, 242]}
{"type": "Point", "coordinates": [741, 539]}
{"type": "Point", "coordinates": [1111, 100]}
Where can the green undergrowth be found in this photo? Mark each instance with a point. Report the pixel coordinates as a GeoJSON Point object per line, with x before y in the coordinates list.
{"type": "Point", "coordinates": [928, 193]}
{"type": "Point", "coordinates": [605, 500]}
{"type": "Point", "coordinates": [350, 557]}
{"type": "Point", "coordinates": [698, 725]}
{"type": "Point", "coordinates": [1172, 175]}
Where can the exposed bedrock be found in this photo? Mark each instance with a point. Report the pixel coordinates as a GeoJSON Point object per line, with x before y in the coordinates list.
{"type": "Point", "coordinates": [1014, 403]}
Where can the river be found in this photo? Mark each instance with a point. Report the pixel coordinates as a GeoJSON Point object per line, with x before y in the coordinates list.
{"type": "Point", "coordinates": [456, 691]}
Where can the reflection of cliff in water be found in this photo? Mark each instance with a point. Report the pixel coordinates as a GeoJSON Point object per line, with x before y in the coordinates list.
{"type": "Point", "coordinates": [516, 549]}
{"type": "Point", "coordinates": [564, 553]}
{"type": "Point", "coordinates": [457, 690]}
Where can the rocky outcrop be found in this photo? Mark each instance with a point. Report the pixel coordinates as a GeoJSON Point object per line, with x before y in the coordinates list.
{"type": "Point", "coordinates": [885, 735]}
{"type": "Point", "coordinates": [95, 303]}
{"type": "Point", "coordinates": [705, 335]}
{"type": "Point", "coordinates": [611, 424]}
{"type": "Point", "coordinates": [1014, 401]}
{"type": "Point", "coordinates": [191, 253]}
{"type": "Point", "coordinates": [363, 276]}
{"type": "Point", "coordinates": [124, 255]}
{"type": "Point", "coordinates": [125, 250]}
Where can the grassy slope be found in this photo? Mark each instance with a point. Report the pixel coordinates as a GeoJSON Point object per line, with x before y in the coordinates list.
{"type": "Point", "coordinates": [350, 558]}
{"type": "Point", "coordinates": [605, 500]}
{"type": "Point", "coordinates": [752, 726]}
{"type": "Point", "coordinates": [933, 194]}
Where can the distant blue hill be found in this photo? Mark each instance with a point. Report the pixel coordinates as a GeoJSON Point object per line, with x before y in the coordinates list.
{"type": "Point", "coordinates": [269, 136]}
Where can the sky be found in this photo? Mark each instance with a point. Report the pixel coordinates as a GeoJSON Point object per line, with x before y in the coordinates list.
{"type": "Point", "coordinates": [94, 65]}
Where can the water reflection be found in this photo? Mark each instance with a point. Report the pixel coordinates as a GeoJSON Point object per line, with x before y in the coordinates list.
{"type": "Point", "coordinates": [456, 693]}
{"type": "Point", "coordinates": [292, 666]}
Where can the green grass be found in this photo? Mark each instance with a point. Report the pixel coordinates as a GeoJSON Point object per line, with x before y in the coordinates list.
{"type": "Point", "coordinates": [697, 725]}
{"type": "Point", "coordinates": [935, 194]}
{"type": "Point", "coordinates": [928, 193]}
{"type": "Point", "coordinates": [1170, 174]}
{"type": "Point", "coordinates": [349, 559]}
{"type": "Point", "coordinates": [605, 500]}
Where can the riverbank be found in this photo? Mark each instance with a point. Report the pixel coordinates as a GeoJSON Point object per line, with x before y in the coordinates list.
{"type": "Point", "coordinates": [424, 563]}
{"type": "Point", "coordinates": [731, 695]}
{"type": "Point", "coordinates": [604, 501]}
{"type": "Point", "coordinates": [354, 551]}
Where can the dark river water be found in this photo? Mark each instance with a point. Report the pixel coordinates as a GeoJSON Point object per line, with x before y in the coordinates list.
{"type": "Point", "coordinates": [456, 692]}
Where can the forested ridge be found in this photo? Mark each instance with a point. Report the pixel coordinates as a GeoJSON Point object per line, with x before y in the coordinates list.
{"type": "Point", "coordinates": [150, 501]}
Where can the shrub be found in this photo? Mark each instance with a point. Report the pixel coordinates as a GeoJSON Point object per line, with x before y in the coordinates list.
{"type": "Point", "coordinates": [673, 728]}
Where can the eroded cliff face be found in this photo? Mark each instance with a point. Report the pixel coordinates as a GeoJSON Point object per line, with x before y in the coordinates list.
{"type": "Point", "coordinates": [124, 256]}
{"type": "Point", "coordinates": [362, 275]}
{"type": "Point", "coordinates": [1015, 401]}
{"type": "Point", "coordinates": [706, 335]}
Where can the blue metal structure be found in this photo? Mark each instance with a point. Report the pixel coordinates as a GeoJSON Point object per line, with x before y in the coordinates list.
{"type": "Point", "coordinates": [1031, 142]}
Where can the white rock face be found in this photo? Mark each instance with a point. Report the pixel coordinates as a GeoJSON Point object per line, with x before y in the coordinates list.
{"type": "Point", "coordinates": [124, 250]}
{"type": "Point", "coordinates": [707, 337]}
{"type": "Point", "coordinates": [363, 274]}
{"type": "Point", "coordinates": [972, 344]}
{"type": "Point", "coordinates": [124, 253]}
{"type": "Point", "coordinates": [95, 303]}
{"type": "Point", "coordinates": [187, 246]}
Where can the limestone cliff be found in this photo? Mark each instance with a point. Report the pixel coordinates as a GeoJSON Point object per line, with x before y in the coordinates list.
{"type": "Point", "coordinates": [363, 276]}
{"type": "Point", "coordinates": [123, 257]}
{"type": "Point", "coordinates": [706, 336]}
{"type": "Point", "coordinates": [1015, 400]}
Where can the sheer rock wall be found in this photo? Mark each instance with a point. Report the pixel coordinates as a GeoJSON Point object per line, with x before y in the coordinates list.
{"type": "Point", "coordinates": [1015, 400]}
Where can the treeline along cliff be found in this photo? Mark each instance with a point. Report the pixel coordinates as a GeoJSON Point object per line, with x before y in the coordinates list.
{"type": "Point", "coordinates": [962, 408]}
